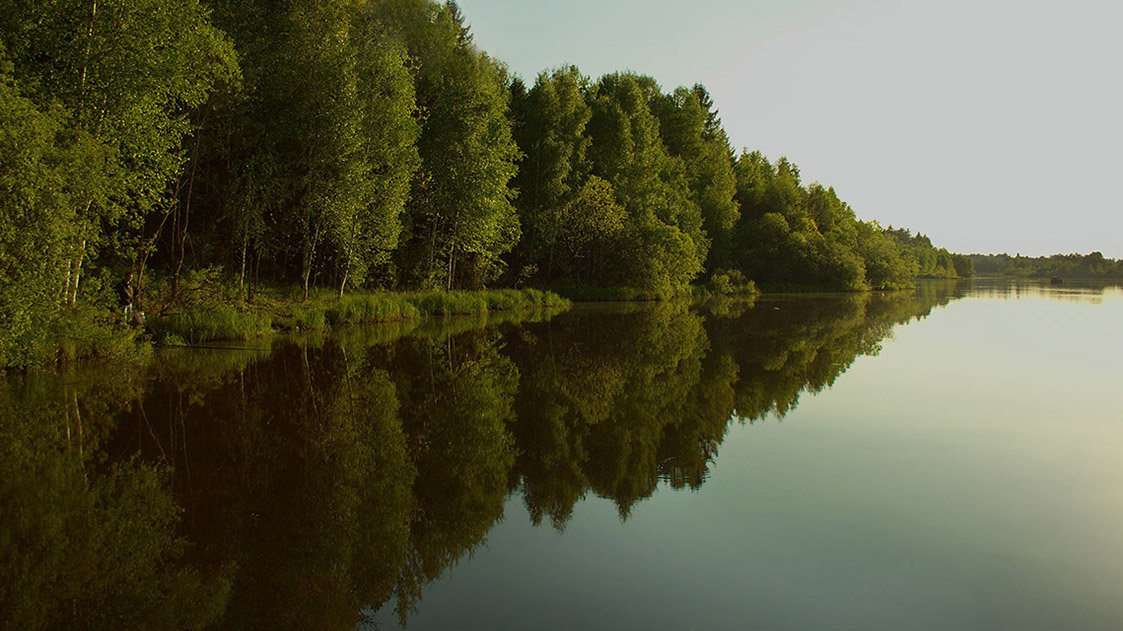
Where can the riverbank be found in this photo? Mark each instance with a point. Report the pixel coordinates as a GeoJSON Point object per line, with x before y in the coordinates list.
{"type": "Point", "coordinates": [218, 313]}
{"type": "Point", "coordinates": [269, 312]}
{"type": "Point", "coordinates": [209, 312]}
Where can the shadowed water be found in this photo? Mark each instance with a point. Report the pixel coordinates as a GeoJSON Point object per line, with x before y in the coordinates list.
{"type": "Point", "coordinates": [947, 458]}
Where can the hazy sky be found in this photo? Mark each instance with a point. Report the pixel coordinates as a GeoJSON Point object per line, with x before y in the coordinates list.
{"type": "Point", "coordinates": [990, 125]}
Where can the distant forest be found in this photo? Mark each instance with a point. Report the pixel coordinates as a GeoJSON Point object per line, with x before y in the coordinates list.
{"type": "Point", "coordinates": [1092, 265]}
{"type": "Point", "coordinates": [361, 145]}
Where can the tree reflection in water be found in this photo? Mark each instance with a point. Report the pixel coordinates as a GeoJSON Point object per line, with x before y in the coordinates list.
{"type": "Point", "coordinates": [304, 486]}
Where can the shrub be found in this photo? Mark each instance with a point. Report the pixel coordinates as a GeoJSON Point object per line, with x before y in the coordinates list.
{"type": "Point", "coordinates": [91, 333]}
{"type": "Point", "coordinates": [727, 282]}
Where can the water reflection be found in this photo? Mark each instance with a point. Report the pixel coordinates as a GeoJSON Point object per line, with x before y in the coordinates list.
{"type": "Point", "coordinates": [337, 475]}
{"type": "Point", "coordinates": [1072, 290]}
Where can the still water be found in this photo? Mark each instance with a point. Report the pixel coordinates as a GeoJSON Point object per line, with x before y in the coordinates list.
{"type": "Point", "coordinates": [945, 459]}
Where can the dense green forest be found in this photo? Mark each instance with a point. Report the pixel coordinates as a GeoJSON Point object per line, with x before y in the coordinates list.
{"type": "Point", "coordinates": [361, 145]}
{"type": "Point", "coordinates": [1092, 265]}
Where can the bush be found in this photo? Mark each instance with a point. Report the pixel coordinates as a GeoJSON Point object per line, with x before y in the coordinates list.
{"type": "Point", "coordinates": [728, 282]}
{"type": "Point", "coordinates": [91, 333]}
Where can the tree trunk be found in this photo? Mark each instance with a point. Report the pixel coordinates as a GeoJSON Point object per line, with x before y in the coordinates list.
{"type": "Point", "coordinates": [70, 296]}
{"type": "Point", "coordinates": [432, 250]}
{"type": "Point", "coordinates": [86, 60]}
{"type": "Point", "coordinates": [451, 266]}
{"type": "Point", "coordinates": [306, 271]}
{"type": "Point", "coordinates": [256, 275]}
{"type": "Point", "coordinates": [306, 263]}
{"type": "Point", "coordinates": [76, 274]}
{"type": "Point", "coordinates": [452, 249]}
{"type": "Point", "coordinates": [66, 287]}
{"type": "Point", "coordinates": [245, 245]}
{"type": "Point", "coordinates": [182, 236]}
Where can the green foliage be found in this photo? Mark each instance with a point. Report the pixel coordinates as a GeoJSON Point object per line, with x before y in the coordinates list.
{"type": "Point", "coordinates": [435, 303]}
{"type": "Point", "coordinates": [459, 219]}
{"type": "Point", "coordinates": [668, 245]}
{"type": "Point", "coordinates": [390, 132]}
{"type": "Point", "coordinates": [928, 261]}
{"type": "Point", "coordinates": [727, 282]}
{"type": "Point", "coordinates": [594, 241]}
{"type": "Point", "coordinates": [306, 319]}
{"type": "Point", "coordinates": [85, 332]}
{"type": "Point", "coordinates": [549, 127]}
{"type": "Point", "coordinates": [511, 299]}
{"type": "Point", "coordinates": [36, 222]}
{"type": "Point", "coordinates": [888, 266]}
{"type": "Point", "coordinates": [126, 74]}
{"type": "Point", "coordinates": [39, 159]}
{"type": "Point", "coordinates": [791, 236]}
{"type": "Point", "coordinates": [366, 146]}
{"type": "Point", "coordinates": [692, 133]}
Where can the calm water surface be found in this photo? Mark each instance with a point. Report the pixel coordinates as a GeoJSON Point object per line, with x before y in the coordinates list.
{"type": "Point", "coordinates": [945, 459]}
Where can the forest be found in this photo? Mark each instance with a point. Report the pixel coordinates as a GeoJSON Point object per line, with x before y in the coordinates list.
{"type": "Point", "coordinates": [1093, 265]}
{"type": "Point", "coordinates": [370, 145]}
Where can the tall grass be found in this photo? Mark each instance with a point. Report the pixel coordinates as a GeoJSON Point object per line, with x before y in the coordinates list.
{"type": "Point", "coordinates": [449, 303]}
{"type": "Point", "coordinates": [370, 309]}
{"type": "Point", "coordinates": [207, 324]}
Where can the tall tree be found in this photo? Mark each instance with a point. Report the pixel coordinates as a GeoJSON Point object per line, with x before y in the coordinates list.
{"type": "Point", "coordinates": [389, 130]}
{"type": "Point", "coordinates": [36, 219]}
{"type": "Point", "coordinates": [460, 218]}
{"type": "Point", "coordinates": [322, 140]}
{"type": "Point", "coordinates": [668, 244]}
{"type": "Point", "coordinates": [692, 133]}
{"type": "Point", "coordinates": [128, 73]}
{"type": "Point", "coordinates": [550, 123]}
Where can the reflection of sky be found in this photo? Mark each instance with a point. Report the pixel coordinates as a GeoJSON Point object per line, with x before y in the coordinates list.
{"type": "Point", "coordinates": [966, 478]}
{"type": "Point", "coordinates": [991, 125]}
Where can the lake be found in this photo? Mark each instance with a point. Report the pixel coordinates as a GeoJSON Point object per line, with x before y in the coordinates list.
{"type": "Point", "coordinates": [949, 458]}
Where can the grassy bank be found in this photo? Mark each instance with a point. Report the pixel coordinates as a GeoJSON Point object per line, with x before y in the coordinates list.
{"type": "Point", "coordinates": [274, 310]}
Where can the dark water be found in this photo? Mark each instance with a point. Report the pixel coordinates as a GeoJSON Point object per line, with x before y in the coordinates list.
{"type": "Point", "coordinates": [945, 459]}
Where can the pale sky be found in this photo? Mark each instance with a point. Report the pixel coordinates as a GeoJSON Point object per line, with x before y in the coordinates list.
{"type": "Point", "coordinates": [989, 125]}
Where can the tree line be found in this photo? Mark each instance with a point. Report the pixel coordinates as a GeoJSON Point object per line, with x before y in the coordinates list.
{"type": "Point", "coordinates": [360, 144]}
{"type": "Point", "coordinates": [1094, 265]}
